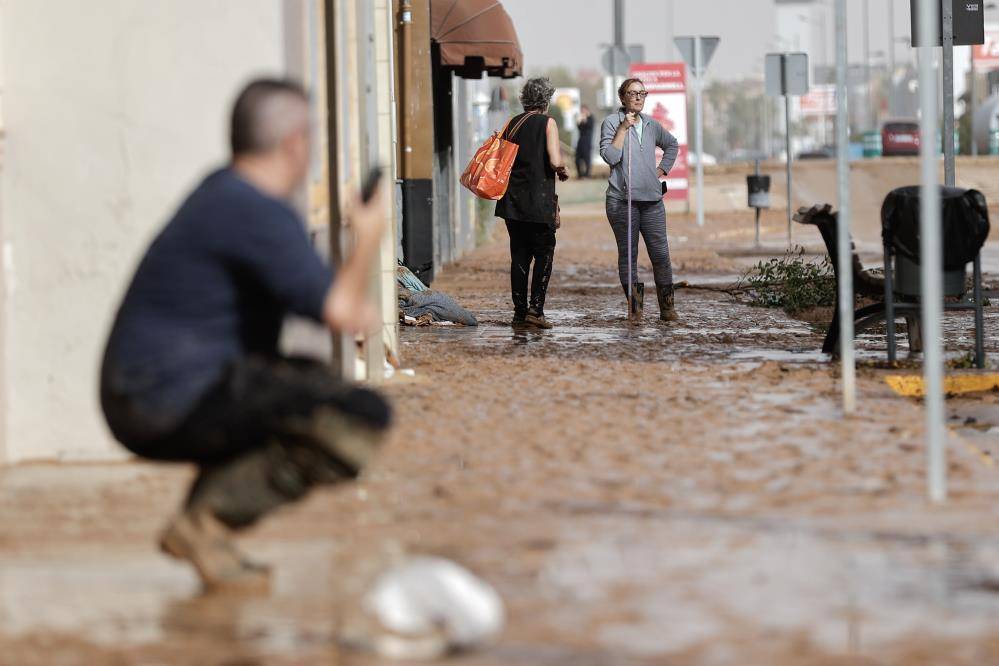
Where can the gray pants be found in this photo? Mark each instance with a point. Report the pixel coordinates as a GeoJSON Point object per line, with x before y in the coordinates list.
{"type": "Point", "coordinates": [649, 219]}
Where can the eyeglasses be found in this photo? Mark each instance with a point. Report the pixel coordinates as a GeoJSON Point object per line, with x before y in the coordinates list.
{"type": "Point", "coordinates": [641, 94]}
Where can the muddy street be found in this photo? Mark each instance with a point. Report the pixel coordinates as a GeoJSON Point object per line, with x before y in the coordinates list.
{"type": "Point", "coordinates": [682, 494]}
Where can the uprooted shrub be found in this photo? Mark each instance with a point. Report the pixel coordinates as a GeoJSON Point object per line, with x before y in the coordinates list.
{"type": "Point", "coordinates": [791, 282]}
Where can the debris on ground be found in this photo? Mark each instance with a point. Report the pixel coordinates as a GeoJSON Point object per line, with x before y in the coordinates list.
{"type": "Point", "coordinates": [913, 386]}
{"type": "Point", "coordinates": [425, 608]}
{"type": "Point", "coordinates": [408, 280]}
{"type": "Point", "coordinates": [791, 282]}
{"type": "Point", "coordinates": [422, 306]}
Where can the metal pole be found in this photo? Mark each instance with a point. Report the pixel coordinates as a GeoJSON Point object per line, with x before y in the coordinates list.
{"type": "Point", "coordinates": [344, 350]}
{"type": "Point", "coordinates": [618, 40]}
{"type": "Point", "coordinates": [891, 57]}
{"type": "Point", "coordinates": [757, 210]}
{"type": "Point", "coordinates": [948, 91]}
{"type": "Point", "coordinates": [619, 23]}
{"type": "Point", "coordinates": [825, 66]}
{"type": "Point", "coordinates": [971, 110]}
{"type": "Point", "coordinates": [787, 141]}
{"type": "Point", "coordinates": [699, 113]}
{"type": "Point", "coordinates": [845, 259]}
{"type": "Point", "coordinates": [931, 258]}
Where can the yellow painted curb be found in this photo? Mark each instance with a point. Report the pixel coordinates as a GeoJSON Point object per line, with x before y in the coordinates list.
{"type": "Point", "coordinates": [911, 386]}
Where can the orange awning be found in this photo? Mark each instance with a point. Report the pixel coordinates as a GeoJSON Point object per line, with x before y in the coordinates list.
{"type": "Point", "coordinates": [476, 36]}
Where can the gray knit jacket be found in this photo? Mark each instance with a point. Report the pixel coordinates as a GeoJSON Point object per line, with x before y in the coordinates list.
{"type": "Point", "coordinates": [644, 179]}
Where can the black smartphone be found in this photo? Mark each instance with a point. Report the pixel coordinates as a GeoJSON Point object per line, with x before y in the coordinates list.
{"type": "Point", "coordinates": [665, 189]}
{"type": "Point", "coordinates": [371, 184]}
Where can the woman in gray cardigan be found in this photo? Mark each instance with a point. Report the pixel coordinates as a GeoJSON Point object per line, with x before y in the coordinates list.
{"type": "Point", "coordinates": [630, 131]}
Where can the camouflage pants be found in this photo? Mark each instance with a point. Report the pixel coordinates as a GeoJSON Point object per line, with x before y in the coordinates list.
{"type": "Point", "coordinates": [270, 431]}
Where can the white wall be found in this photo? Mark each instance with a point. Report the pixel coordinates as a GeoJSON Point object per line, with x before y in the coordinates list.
{"type": "Point", "coordinates": [113, 109]}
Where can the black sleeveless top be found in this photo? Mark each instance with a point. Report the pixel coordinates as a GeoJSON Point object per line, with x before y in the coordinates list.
{"type": "Point", "coordinates": [531, 194]}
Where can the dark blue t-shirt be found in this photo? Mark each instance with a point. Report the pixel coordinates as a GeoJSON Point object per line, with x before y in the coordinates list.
{"type": "Point", "coordinates": [214, 286]}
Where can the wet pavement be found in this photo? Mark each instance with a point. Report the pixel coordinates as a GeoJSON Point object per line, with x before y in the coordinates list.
{"type": "Point", "coordinates": [683, 494]}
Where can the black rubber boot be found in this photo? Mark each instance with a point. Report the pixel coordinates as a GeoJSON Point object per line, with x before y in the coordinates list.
{"type": "Point", "coordinates": [242, 490]}
{"type": "Point", "coordinates": [637, 304]}
{"type": "Point", "coordinates": [667, 311]}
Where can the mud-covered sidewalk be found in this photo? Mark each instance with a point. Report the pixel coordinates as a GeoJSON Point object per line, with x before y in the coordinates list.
{"type": "Point", "coordinates": [688, 494]}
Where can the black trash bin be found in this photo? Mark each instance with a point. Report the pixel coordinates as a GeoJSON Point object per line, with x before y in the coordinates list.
{"type": "Point", "coordinates": [964, 228]}
{"type": "Point", "coordinates": [758, 188]}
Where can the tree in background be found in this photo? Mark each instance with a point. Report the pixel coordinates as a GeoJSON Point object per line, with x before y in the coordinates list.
{"type": "Point", "coordinates": [733, 117]}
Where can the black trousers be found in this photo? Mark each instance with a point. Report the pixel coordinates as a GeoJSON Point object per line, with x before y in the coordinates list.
{"type": "Point", "coordinates": [530, 242]}
{"type": "Point", "coordinates": [583, 163]}
{"type": "Point", "coordinates": [270, 430]}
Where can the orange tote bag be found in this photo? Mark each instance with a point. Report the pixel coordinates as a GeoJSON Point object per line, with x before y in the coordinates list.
{"type": "Point", "coordinates": [488, 174]}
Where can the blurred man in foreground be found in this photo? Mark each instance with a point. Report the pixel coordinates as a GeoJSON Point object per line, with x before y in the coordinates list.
{"type": "Point", "coordinates": [192, 372]}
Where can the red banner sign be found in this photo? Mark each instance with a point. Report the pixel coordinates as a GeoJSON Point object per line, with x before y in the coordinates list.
{"type": "Point", "coordinates": [986, 56]}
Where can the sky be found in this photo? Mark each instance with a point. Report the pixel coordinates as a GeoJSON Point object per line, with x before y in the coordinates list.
{"type": "Point", "coordinates": [569, 32]}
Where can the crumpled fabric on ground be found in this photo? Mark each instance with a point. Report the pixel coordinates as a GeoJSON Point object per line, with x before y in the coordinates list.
{"type": "Point", "coordinates": [438, 307]}
{"type": "Point", "coordinates": [406, 279]}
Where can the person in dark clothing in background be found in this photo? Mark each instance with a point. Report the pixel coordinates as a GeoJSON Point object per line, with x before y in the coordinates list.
{"type": "Point", "coordinates": [191, 370]}
{"type": "Point", "coordinates": [584, 146]}
{"type": "Point", "coordinates": [530, 206]}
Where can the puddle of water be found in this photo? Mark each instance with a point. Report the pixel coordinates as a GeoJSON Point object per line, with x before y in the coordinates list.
{"type": "Point", "coordinates": [142, 598]}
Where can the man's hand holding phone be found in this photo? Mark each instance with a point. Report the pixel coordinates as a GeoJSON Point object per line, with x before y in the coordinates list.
{"type": "Point", "coordinates": [348, 307]}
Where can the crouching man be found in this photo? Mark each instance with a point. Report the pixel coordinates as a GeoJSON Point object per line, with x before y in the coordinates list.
{"type": "Point", "coordinates": [192, 372]}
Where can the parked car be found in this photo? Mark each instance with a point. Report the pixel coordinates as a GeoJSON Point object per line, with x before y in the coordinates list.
{"type": "Point", "coordinates": [900, 137]}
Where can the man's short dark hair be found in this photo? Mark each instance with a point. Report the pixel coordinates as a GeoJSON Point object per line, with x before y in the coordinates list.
{"type": "Point", "coordinates": [256, 116]}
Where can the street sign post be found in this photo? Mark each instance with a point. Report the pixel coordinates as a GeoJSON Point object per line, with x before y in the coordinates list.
{"type": "Point", "coordinates": [697, 53]}
{"type": "Point", "coordinates": [957, 23]}
{"type": "Point", "coordinates": [945, 23]}
{"type": "Point", "coordinates": [787, 75]}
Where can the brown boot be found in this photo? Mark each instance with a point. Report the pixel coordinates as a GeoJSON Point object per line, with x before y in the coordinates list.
{"type": "Point", "coordinates": [537, 320]}
{"type": "Point", "coordinates": [636, 305]}
{"type": "Point", "coordinates": [667, 312]}
{"type": "Point", "coordinates": [196, 536]}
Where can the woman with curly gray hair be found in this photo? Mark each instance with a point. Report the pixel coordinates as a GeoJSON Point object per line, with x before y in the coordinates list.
{"type": "Point", "coordinates": [530, 207]}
